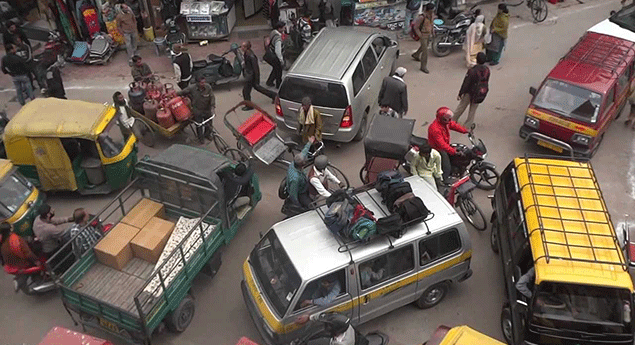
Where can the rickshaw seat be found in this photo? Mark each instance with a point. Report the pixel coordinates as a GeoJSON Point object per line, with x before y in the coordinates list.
{"type": "Point", "coordinates": [256, 127]}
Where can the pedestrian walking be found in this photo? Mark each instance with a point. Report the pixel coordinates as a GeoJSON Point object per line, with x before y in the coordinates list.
{"type": "Point", "coordinates": [327, 13]}
{"type": "Point", "coordinates": [24, 51]}
{"type": "Point", "coordinates": [252, 75]}
{"type": "Point", "coordinates": [13, 31]}
{"type": "Point", "coordinates": [412, 9]}
{"type": "Point", "coordinates": [309, 121]}
{"type": "Point", "coordinates": [54, 83]}
{"type": "Point", "coordinates": [631, 116]}
{"type": "Point", "coordinates": [394, 92]}
{"type": "Point", "coordinates": [183, 66]}
{"type": "Point", "coordinates": [140, 70]}
{"type": "Point", "coordinates": [203, 105]}
{"type": "Point", "coordinates": [273, 55]}
{"type": "Point", "coordinates": [474, 40]}
{"type": "Point", "coordinates": [127, 25]}
{"type": "Point", "coordinates": [423, 30]}
{"type": "Point", "coordinates": [17, 68]}
{"type": "Point", "coordinates": [473, 90]}
{"type": "Point", "coordinates": [499, 29]}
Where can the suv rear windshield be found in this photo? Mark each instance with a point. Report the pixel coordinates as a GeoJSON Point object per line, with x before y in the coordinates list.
{"type": "Point", "coordinates": [625, 18]}
{"type": "Point", "coordinates": [323, 93]}
{"type": "Point", "coordinates": [275, 272]}
{"type": "Point", "coordinates": [569, 100]}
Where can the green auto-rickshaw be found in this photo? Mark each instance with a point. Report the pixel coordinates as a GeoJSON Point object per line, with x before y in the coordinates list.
{"type": "Point", "coordinates": [19, 199]}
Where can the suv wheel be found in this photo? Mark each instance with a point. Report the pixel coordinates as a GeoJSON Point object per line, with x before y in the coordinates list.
{"type": "Point", "coordinates": [493, 237]}
{"type": "Point", "coordinates": [506, 324]}
{"type": "Point", "coordinates": [361, 133]}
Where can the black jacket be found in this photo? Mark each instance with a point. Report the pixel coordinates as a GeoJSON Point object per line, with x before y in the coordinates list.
{"type": "Point", "coordinates": [472, 78]}
{"type": "Point", "coordinates": [395, 93]}
{"type": "Point", "coordinates": [252, 70]}
{"type": "Point", "coordinates": [184, 61]}
{"type": "Point", "coordinates": [8, 37]}
{"type": "Point", "coordinates": [14, 65]}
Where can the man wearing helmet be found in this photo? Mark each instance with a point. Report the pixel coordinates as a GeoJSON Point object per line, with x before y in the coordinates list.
{"type": "Point", "coordinates": [319, 178]}
{"type": "Point", "coordinates": [439, 137]}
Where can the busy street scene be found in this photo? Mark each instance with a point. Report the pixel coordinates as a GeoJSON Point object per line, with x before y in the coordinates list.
{"type": "Point", "coordinates": [297, 172]}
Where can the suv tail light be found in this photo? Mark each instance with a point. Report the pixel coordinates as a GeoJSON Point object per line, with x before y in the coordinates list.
{"type": "Point", "coordinates": [278, 107]}
{"type": "Point", "coordinates": [347, 119]}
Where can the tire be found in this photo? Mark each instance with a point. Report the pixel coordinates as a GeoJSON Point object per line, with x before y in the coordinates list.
{"type": "Point", "coordinates": [506, 325]}
{"type": "Point", "coordinates": [219, 142]}
{"type": "Point", "coordinates": [177, 320]}
{"type": "Point", "coordinates": [493, 237]}
{"type": "Point", "coordinates": [432, 296]}
{"type": "Point", "coordinates": [144, 132]}
{"type": "Point", "coordinates": [236, 155]}
{"type": "Point", "coordinates": [340, 175]}
{"type": "Point", "coordinates": [484, 177]}
{"type": "Point", "coordinates": [472, 212]}
{"type": "Point", "coordinates": [539, 10]}
{"type": "Point", "coordinates": [282, 189]}
{"type": "Point", "coordinates": [437, 50]}
{"type": "Point", "coordinates": [361, 133]}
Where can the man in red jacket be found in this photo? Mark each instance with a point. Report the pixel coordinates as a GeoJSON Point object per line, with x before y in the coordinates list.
{"type": "Point", "coordinates": [439, 137]}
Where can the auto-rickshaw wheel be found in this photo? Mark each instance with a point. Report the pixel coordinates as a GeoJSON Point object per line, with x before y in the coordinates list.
{"type": "Point", "coordinates": [177, 320]}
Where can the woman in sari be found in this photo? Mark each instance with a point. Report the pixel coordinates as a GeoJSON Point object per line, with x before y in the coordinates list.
{"type": "Point", "coordinates": [499, 27]}
{"type": "Point", "coordinates": [474, 39]}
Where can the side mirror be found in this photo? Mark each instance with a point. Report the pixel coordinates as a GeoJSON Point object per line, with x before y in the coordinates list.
{"type": "Point", "coordinates": [473, 126]}
{"type": "Point", "coordinates": [532, 91]}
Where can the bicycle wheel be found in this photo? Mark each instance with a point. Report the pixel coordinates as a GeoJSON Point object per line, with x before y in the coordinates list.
{"type": "Point", "coordinates": [485, 177]}
{"type": "Point", "coordinates": [472, 212]}
{"type": "Point", "coordinates": [340, 175]}
{"type": "Point", "coordinates": [219, 142]}
{"type": "Point", "coordinates": [539, 10]}
{"type": "Point", "coordinates": [143, 132]}
{"type": "Point", "coordinates": [236, 155]}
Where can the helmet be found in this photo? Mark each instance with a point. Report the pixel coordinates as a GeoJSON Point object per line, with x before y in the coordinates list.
{"type": "Point", "coordinates": [321, 162]}
{"type": "Point", "coordinates": [443, 111]}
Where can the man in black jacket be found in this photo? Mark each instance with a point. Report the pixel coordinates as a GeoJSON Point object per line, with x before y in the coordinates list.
{"type": "Point", "coordinates": [394, 92]}
{"type": "Point", "coordinates": [473, 90]}
{"type": "Point", "coordinates": [17, 68]}
{"type": "Point", "coordinates": [252, 75]}
{"type": "Point", "coordinates": [182, 66]}
{"type": "Point", "coordinates": [8, 37]}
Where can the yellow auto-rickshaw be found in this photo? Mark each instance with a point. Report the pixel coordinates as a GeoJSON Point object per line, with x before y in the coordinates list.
{"type": "Point", "coordinates": [70, 145]}
{"type": "Point", "coordinates": [460, 335]}
{"type": "Point", "coordinates": [19, 199]}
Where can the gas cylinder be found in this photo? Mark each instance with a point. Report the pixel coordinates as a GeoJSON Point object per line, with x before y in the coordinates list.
{"type": "Point", "coordinates": [164, 117]}
{"type": "Point", "coordinates": [169, 90]}
{"type": "Point", "coordinates": [178, 108]}
{"type": "Point", "coordinates": [136, 95]}
{"type": "Point", "coordinates": [150, 107]}
{"type": "Point", "coordinates": [154, 90]}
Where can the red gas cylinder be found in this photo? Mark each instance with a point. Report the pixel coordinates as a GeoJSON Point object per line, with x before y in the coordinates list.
{"type": "Point", "coordinates": [164, 118]}
{"type": "Point", "coordinates": [179, 109]}
{"type": "Point", "coordinates": [169, 90]}
{"type": "Point", "coordinates": [150, 107]}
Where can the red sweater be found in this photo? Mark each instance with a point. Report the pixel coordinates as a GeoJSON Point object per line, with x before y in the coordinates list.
{"type": "Point", "coordinates": [439, 135]}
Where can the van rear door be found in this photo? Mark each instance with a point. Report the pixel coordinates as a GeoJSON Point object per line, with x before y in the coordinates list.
{"type": "Point", "coordinates": [329, 97]}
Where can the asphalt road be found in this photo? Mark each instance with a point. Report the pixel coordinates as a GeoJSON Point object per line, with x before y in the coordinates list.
{"type": "Point", "coordinates": [221, 316]}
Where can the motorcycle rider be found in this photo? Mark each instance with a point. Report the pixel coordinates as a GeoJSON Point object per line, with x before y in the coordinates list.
{"type": "Point", "coordinates": [46, 230]}
{"type": "Point", "coordinates": [297, 181]}
{"type": "Point", "coordinates": [320, 176]}
{"type": "Point", "coordinates": [14, 249]}
{"type": "Point", "coordinates": [439, 137]}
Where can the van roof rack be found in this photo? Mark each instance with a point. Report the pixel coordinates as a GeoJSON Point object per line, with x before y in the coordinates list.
{"type": "Point", "coordinates": [601, 52]}
{"type": "Point", "coordinates": [552, 244]}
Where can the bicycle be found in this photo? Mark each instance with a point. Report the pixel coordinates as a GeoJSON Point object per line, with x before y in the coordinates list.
{"type": "Point", "coordinates": [199, 129]}
{"type": "Point", "coordinates": [538, 9]}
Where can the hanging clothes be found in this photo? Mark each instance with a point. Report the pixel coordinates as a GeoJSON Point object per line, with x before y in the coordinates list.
{"type": "Point", "coordinates": [67, 26]}
{"type": "Point", "coordinates": [89, 14]}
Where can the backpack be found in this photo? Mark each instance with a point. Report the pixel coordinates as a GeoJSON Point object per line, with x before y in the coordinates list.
{"type": "Point", "coordinates": [480, 89]}
{"type": "Point", "coordinates": [385, 178]}
{"type": "Point", "coordinates": [413, 5]}
{"type": "Point", "coordinates": [361, 212]}
{"type": "Point", "coordinates": [362, 230]}
{"type": "Point", "coordinates": [412, 209]}
{"type": "Point", "coordinates": [390, 225]}
{"type": "Point", "coordinates": [337, 217]}
{"type": "Point", "coordinates": [395, 193]}
{"type": "Point", "coordinates": [270, 51]}
{"type": "Point", "coordinates": [412, 32]}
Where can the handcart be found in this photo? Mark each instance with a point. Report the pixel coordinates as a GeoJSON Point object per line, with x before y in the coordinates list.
{"type": "Point", "coordinates": [154, 128]}
{"type": "Point", "coordinates": [386, 145]}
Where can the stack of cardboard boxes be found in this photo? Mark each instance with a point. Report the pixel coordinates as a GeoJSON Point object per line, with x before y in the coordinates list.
{"type": "Point", "coordinates": [142, 233]}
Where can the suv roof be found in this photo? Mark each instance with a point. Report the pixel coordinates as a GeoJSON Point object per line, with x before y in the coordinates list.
{"type": "Point", "coordinates": [595, 61]}
{"type": "Point", "coordinates": [330, 53]}
{"type": "Point", "coordinates": [570, 230]}
{"type": "Point", "coordinates": [307, 240]}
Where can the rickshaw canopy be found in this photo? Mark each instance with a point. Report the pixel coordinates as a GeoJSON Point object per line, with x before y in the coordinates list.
{"type": "Point", "coordinates": [58, 118]}
{"type": "Point", "coordinates": [5, 167]}
{"type": "Point", "coordinates": [388, 137]}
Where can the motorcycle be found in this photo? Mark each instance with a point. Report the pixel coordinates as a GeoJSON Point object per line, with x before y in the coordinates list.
{"type": "Point", "coordinates": [483, 174]}
{"type": "Point", "coordinates": [217, 69]}
{"type": "Point", "coordinates": [56, 49]}
{"type": "Point", "coordinates": [453, 34]}
{"type": "Point", "coordinates": [333, 327]}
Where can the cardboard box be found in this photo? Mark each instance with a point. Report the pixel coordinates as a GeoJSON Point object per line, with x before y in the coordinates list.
{"type": "Point", "coordinates": [150, 241]}
{"type": "Point", "coordinates": [114, 249]}
{"type": "Point", "coordinates": [143, 211]}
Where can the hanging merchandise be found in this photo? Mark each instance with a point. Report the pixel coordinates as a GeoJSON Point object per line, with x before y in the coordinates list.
{"type": "Point", "coordinates": [66, 21]}
{"type": "Point", "coordinates": [89, 14]}
{"type": "Point", "coordinates": [101, 50]}
{"type": "Point", "coordinates": [109, 15]}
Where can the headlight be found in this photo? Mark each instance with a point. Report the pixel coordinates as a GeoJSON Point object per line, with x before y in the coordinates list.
{"type": "Point", "coordinates": [532, 122]}
{"type": "Point", "coordinates": [581, 139]}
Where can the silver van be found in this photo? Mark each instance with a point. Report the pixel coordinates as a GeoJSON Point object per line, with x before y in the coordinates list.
{"type": "Point", "coordinates": [299, 267]}
{"type": "Point", "coordinates": [341, 70]}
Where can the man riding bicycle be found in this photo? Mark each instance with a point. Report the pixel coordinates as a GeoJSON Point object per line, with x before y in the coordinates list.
{"type": "Point", "coordinates": [439, 137]}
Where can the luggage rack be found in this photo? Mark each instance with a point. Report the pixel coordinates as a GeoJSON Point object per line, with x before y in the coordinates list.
{"type": "Point", "coordinates": [591, 236]}
{"type": "Point", "coordinates": [346, 245]}
{"type": "Point", "coordinates": [600, 53]}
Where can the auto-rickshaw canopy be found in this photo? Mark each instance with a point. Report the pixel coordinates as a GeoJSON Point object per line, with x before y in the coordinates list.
{"type": "Point", "coordinates": [58, 118]}
{"type": "Point", "coordinates": [5, 167]}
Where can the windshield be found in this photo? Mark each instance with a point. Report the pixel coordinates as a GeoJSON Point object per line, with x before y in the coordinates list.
{"type": "Point", "coordinates": [275, 272]}
{"type": "Point", "coordinates": [625, 18]}
{"type": "Point", "coordinates": [322, 93]}
{"type": "Point", "coordinates": [112, 140]}
{"type": "Point", "coordinates": [569, 100]}
{"type": "Point", "coordinates": [589, 309]}
{"type": "Point", "coordinates": [13, 191]}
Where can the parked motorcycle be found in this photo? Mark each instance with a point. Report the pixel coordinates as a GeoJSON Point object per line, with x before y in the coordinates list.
{"type": "Point", "coordinates": [217, 69]}
{"type": "Point", "coordinates": [57, 49]}
{"type": "Point", "coordinates": [451, 34]}
{"type": "Point", "coordinates": [472, 163]}
{"type": "Point", "coordinates": [327, 328]}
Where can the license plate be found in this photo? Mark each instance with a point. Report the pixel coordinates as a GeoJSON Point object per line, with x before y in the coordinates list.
{"type": "Point", "coordinates": [108, 325]}
{"type": "Point", "coordinates": [550, 146]}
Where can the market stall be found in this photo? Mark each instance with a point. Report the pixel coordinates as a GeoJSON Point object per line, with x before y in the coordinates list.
{"type": "Point", "coordinates": [209, 19]}
{"type": "Point", "coordinates": [383, 14]}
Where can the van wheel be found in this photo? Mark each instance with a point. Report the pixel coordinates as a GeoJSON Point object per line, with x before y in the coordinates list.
{"type": "Point", "coordinates": [493, 238]}
{"type": "Point", "coordinates": [506, 325]}
{"type": "Point", "coordinates": [432, 296]}
{"type": "Point", "coordinates": [362, 129]}
{"type": "Point", "coordinates": [177, 320]}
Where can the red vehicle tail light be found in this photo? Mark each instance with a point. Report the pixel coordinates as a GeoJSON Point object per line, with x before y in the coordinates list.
{"type": "Point", "coordinates": [278, 107]}
{"type": "Point", "coordinates": [347, 119]}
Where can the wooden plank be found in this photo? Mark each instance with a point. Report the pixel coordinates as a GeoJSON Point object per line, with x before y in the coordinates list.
{"type": "Point", "coordinates": [132, 266]}
{"type": "Point", "coordinates": [127, 290]}
{"type": "Point", "coordinates": [88, 280]}
{"type": "Point", "coordinates": [102, 275]}
{"type": "Point", "coordinates": [106, 283]}
{"type": "Point", "coordinates": [116, 288]}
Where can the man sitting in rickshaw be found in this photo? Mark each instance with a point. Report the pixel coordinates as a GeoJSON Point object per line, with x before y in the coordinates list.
{"type": "Point", "coordinates": [427, 165]}
{"type": "Point", "coordinates": [319, 178]}
{"type": "Point", "coordinates": [297, 181]}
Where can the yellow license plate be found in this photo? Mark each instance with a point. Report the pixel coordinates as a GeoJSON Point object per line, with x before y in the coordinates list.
{"type": "Point", "coordinates": [108, 325]}
{"type": "Point", "coordinates": [550, 146]}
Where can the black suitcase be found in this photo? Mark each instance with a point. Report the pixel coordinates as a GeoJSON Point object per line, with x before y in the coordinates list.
{"type": "Point", "coordinates": [395, 193]}
{"type": "Point", "coordinates": [412, 209]}
{"type": "Point", "coordinates": [390, 225]}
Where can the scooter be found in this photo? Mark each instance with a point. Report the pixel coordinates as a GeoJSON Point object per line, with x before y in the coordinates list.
{"type": "Point", "coordinates": [217, 69]}
{"type": "Point", "coordinates": [483, 174]}
{"type": "Point", "coordinates": [452, 34]}
{"type": "Point", "coordinates": [333, 327]}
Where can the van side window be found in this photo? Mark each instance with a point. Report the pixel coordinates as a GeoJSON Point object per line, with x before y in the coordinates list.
{"type": "Point", "coordinates": [387, 266]}
{"type": "Point", "coordinates": [610, 97]}
{"type": "Point", "coordinates": [369, 61]}
{"type": "Point", "coordinates": [379, 46]}
{"type": "Point", "coordinates": [358, 78]}
{"type": "Point", "coordinates": [622, 82]}
{"type": "Point", "coordinates": [516, 226]}
{"type": "Point", "coordinates": [439, 246]}
{"type": "Point", "coordinates": [323, 291]}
